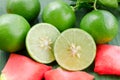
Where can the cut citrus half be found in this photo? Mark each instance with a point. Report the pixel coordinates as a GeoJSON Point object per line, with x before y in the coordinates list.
{"type": "Point", "coordinates": [74, 49]}
{"type": "Point", "coordinates": [40, 40]}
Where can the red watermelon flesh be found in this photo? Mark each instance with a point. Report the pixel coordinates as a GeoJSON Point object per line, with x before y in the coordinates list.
{"type": "Point", "coordinates": [107, 59]}
{"type": "Point", "coordinates": [60, 74]}
{"type": "Point", "coordinates": [19, 67]}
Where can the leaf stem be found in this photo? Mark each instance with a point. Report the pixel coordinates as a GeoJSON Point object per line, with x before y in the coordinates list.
{"type": "Point", "coordinates": [94, 5]}
{"type": "Point", "coordinates": [77, 4]}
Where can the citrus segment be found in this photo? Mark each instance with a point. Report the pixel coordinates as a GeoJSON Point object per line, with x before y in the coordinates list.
{"type": "Point", "coordinates": [74, 49]}
{"type": "Point", "coordinates": [40, 40]}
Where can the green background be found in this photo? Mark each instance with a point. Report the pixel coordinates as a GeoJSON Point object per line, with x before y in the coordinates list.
{"type": "Point", "coordinates": [79, 13]}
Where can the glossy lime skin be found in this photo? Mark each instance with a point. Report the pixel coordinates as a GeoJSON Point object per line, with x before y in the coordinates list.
{"type": "Point", "coordinates": [29, 9]}
{"type": "Point", "coordinates": [13, 30]}
{"type": "Point", "coordinates": [101, 24]}
{"type": "Point", "coordinates": [59, 14]}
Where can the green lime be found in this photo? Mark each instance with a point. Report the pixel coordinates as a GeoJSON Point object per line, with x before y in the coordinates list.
{"type": "Point", "coordinates": [59, 14]}
{"type": "Point", "coordinates": [101, 24]}
{"type": "Point", "coordinates": [109, 3]}
{"type": "Point", "coordinates": [74, 49]}
{"type": "Point", "coordinates": [40, 41]}
{"type": "Point", "coordinates": [13, 30]}
{"type": "Point", "coordinates": [29, 9]}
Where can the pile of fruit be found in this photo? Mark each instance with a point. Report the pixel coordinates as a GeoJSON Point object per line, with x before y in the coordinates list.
{"type": "Point", "coordinates": [57, 47]}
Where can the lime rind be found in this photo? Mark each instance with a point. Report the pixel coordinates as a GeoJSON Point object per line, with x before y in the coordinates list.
{"type": "Point", "coordinates": [80, 44]}
{"type": "Point", "coordinates": [40, 41]}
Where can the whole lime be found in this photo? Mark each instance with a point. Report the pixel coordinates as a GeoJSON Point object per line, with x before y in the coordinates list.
{"type": "Point", "coordinates": [29, 9]}
{"type": "Point", "coordinates": [59, 14]}
{"type": "Point", "coordinates": [101, 24]}
{"type": "Point", "coordinates": [13, 30]}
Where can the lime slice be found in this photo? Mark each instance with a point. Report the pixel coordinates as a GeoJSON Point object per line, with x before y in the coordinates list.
{"type": "Point", "coordinates": [74, 49]}
{"type": "Point", "coordinates": [40, 40]}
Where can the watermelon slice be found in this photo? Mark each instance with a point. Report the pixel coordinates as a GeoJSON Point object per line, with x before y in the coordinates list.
{"type": "Point", "coordinates": [60, 74]}
{"type": "Point", "coordinates": [107, 60]}
{"type": "Point", "coordinates": [19, 67]}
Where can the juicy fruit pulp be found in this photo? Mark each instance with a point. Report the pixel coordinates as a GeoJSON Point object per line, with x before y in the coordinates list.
{"type": "Point", "coordinates": [13, 30]}
{"type": "Point", "coordinates": [101, 24]}
{"type": "Point", "coordinates": [29, 10]}
{"type": "Point", "coordinates": [60, 74]}
{"type": "Point", "coordinates": [19, 67]}
{"type": "Point", "coordinates": [59, 14]}
{"type": "Point", "coordinates": [107, 61]}
{"type": "Point", "coordinates": [40, 41]}
{"type": "Point", "coordinates": [74, 49]}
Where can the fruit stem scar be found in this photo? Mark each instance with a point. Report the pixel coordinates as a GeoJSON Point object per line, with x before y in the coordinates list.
{"type": "Point", "coordinates": [45, 43]}
{"type": "Point", "coordinates": [74, 50]}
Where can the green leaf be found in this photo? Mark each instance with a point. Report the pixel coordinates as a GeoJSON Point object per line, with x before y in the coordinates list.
{"type": "Point", "coordinates": [109, 3]}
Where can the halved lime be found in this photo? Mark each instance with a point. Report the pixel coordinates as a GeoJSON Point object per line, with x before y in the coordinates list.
{"type": "Point", "coordinates": [74, 49]}
{"type": "Point", "coordinates": [40, 40]}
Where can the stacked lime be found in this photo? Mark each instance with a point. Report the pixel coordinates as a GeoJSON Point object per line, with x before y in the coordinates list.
{"type": "Point", "coordinates": [101, 24]}
{"type": "Point", "coordinates": [13, 30]}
